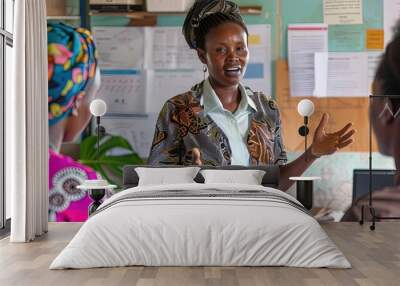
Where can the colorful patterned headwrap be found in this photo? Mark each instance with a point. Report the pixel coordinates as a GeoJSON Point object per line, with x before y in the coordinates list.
{"type": "Point", "coordinates": [201, 9]}
{"type": "Point", "coordinates": [72, 61]}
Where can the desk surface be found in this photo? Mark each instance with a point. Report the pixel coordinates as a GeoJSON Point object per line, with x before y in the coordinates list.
{"type": "Point", "coordinates": [375, 257]}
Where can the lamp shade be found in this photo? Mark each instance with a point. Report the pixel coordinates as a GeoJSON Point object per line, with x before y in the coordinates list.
{"type": "Point", "coordinates": [305, 108]}
{"type": "Point", "coordinates": [98, 107]}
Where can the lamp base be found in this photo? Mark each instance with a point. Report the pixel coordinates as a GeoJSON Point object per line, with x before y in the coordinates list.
{"type": "Point", "coordinates": [96, 195]}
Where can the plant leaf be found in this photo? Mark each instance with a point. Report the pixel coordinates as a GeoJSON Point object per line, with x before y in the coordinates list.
{"type": "Point", "coordinates": [114, 142]}
{"type": "Point", "coordinates": [103, 163]}
{"type": "Point", "coordinates": [88, 147]}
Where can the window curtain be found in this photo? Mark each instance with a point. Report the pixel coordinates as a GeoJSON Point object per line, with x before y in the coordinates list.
{"type": "Point", "coordinates": [27, 124]}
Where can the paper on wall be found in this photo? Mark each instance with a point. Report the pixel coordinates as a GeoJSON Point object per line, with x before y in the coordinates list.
{"type": "Point", "coordinates": [303, 41]}
{"type": "Point", "coordinates": [124, 91]}
{"type": "Point", "coordinates": [346, 38]}
{"type": "Point", "coordinates": [341, 75]}
{"type": "Point", "coordinates": [321, 74]}
{"type": "Point", "coordinates": [343, 12]}
{"type": "Point", "coordinates": [391, 14]}
{"type": "Point", "coordinates": [164, 84]}
{"type": "Point", "coordinates": [258, 74]}
{"type": "Point", "coordinates": [172, 68]}
{"type": "Point", "coordinates": [166, 48]}
{"type": "Point", "coordinates": [120, 47]}
{"type": "Point", "coordinates": [138, 130]}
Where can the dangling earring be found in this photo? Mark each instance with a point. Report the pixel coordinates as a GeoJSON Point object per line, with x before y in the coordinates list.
{"type": "Point", "coordinates": [204, 72]}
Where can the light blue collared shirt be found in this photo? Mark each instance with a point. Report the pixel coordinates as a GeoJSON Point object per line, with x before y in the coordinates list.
{"type": "Point", "coordinates": [234, 125]}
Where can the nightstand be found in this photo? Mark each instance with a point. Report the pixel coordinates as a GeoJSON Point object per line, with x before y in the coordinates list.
{"type": "Point", "coordinates": [304, 190]}
{"type": "Point", "coordinates": [97, 190]}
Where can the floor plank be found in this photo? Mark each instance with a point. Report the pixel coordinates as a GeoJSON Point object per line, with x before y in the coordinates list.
{"type": "Point", "coordinates": [375, 257]}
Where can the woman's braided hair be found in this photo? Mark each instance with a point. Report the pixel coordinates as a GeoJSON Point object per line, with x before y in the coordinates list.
{"type": "Point", "coordinates": [207, 14]}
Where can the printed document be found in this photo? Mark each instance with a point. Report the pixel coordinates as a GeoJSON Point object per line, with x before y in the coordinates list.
{"type": "Point", "coordinates": [304, 40]}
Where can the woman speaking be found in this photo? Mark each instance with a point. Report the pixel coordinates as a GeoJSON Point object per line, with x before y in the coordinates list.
{"type": "Point", "coordinates": [220, 121]}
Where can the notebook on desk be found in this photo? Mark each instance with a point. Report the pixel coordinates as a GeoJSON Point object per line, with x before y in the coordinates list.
{"type": "Point", "coordinates": [380, 180]}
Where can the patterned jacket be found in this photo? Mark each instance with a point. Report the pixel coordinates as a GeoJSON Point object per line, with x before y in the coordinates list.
{"type": "Point", "coordinates": [182, 125]}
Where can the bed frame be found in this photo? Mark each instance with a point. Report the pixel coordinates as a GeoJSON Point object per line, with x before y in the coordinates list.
{"type": "Point", "coordinates": [270, 179]}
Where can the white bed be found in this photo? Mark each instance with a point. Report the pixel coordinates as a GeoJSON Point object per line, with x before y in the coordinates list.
{"type": "Point", "coordinates": [201, 225]}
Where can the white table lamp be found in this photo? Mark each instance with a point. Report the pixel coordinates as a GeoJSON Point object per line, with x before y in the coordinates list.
{"type": "Point", "coordinates": [305, 108]}
{"type": "Point", "coordinates": [97, 188]}
{"type": "Point", "coordinates": [98, 108]}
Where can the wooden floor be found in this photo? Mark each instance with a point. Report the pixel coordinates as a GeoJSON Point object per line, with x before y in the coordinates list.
{"type": "Point", "coordinates": [375, 257]}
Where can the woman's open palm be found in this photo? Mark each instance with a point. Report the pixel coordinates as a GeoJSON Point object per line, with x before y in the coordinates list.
{"type": "Point", "coordinates": [325, 143]}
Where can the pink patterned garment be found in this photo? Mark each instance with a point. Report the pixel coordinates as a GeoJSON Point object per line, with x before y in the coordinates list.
{"type": "Point", "coordinates": [66, 202]}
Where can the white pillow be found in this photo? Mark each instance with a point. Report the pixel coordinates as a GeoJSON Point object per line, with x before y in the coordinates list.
{"type": "Point", "coordinates": [248, 177]}
{"type": "Point", "coordinates": [166, 176]}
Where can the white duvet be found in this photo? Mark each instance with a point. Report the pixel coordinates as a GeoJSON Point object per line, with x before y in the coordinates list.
{"type": "Point", "coordinates": [203, 231]}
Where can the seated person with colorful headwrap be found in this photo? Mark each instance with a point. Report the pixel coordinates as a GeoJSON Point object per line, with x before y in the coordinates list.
{"type": "Point", "coordinates": [220, 121]}
{"type": "Point", "coordinates": [73, 82]}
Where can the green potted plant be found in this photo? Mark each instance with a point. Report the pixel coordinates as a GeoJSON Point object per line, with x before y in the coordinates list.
{"type": "Point", "coordinates": [114, 153]}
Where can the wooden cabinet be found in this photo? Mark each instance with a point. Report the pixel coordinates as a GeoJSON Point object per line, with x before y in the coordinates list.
{"type": "Point", "coordinates": [74, 12]}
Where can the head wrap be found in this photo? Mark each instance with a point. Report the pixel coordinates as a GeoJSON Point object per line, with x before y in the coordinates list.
{"type": "Point", "coordinates": [72, 61]}
{"type": "Point", "coordinates": [200, 10]}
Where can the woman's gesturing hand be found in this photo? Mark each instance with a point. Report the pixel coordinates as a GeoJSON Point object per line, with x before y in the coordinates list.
{"type": "Point", "coordinates": [328, 143]}
{"type": "Point", "coordinates": [196, 157]}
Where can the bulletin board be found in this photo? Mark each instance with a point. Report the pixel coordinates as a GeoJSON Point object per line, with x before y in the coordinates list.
{"type": "Point", "coordinates": [139, 128]}
{"type": "Point", "coordinates": [341, 110]}
{"type": "Point", "coordinates": [279, 14]}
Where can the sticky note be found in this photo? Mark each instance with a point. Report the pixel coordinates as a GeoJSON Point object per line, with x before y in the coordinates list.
{"type": "Point", "coordinates": [374, 39]}
{"type": "Point", "coordinates": [254, 40]}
